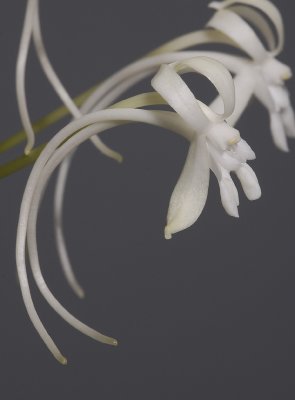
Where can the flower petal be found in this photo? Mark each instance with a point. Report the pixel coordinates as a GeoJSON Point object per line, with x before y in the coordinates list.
{"type": "Point", "coordinates": [229, 196]}
{"type": "Point", "coordinates": [249, 182]}
{"type": "Point", "coordinates": [240, 31]}
{"type": "Point", "coordinates": [281, 97]}
{"type": "Point", "coordinates": [259, 22]}
{"type": "Point", "coordinates": [174, 90]}
{"type": "Point", "coordinates": [225, 159]}
{"type": "Point", "coordinates": [190, 193]}
{"type": "Point", "coordinates": [219, 76]}
{"type": "Point", "coordinates": [243, 151]}
{"type": "Point", "coordinates": [288, 119]}
{"type": "Point", "coordinates": [278, 132]}
{"type": "Point", "coordinates": [268, 8]}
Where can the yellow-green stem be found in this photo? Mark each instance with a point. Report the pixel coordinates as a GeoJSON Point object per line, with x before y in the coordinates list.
{"type": "Point", "coordinates": [141, 100]}
{"type": "Point", "coordinates": [21, 162]}
{"type": "Point", "coordinates": [43, 123]}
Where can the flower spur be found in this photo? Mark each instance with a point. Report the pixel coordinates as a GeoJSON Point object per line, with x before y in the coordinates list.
{"type": "Point", "coordinates": [32, 33]}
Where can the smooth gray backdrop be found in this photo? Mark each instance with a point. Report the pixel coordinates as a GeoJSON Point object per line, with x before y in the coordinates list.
{"type": "Point", "coordinates": [208, 315]}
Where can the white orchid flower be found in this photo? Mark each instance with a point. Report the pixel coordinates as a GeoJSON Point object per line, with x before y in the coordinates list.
{"type": "Point", "coordinates": [215, 145]}
{"type": "Point", "coordinates": [267, 72]}
{"type": "Point", "coordinates": [124, 79]}
{"type": "Point", "coordinates": [212, 141]}
{"type": "Point", "coordinates": [248, 81]}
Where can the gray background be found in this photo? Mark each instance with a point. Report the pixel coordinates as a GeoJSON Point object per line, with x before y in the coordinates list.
{"type": "Point", "coordinates": [207, 315]}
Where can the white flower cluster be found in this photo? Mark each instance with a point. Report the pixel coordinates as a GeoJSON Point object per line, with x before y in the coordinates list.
{"type": "Point", "coordinates": [214, 142]}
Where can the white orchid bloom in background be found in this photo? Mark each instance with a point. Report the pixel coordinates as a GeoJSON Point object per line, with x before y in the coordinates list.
{"type": "Point", "coordinates": [267, 72]}
{"type": "Point", "coordinates": [215, 145]}
{"type": "Point", "coordinates": [233, 24]}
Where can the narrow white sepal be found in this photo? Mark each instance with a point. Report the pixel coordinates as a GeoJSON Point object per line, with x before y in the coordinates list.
{"type": "Point", "coordinates": [288, 119]}
{"type": "Point", "coordinates": [249, 182]}
{"type": "Point", "coordinates": [168, 83]}
{"type": "Point", "coordinates": [267, 8]}
{"type": "Point", "coordinates": [259, 22]}
{"type": "Point", "coordinates": [190, 193]}
{"type": "Point", "coordinates": [284, 108]}
{"type": "Point", "coordinates": [229, 196]}
{"type": "Point", "coordinates": [219, 76]}
{"type": "Point", "coordinates": [278, 132]}
{"type": "Point", "coordinates": [237, 29]}
{"type": "Point", "coordinates": [174, 90]}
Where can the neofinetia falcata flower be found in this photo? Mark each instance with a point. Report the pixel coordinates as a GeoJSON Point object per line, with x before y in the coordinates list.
{"type": "Point", "coordinates": [215, 144]}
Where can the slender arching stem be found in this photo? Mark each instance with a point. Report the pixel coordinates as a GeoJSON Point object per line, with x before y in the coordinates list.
{"type": "Point", "coordinates": [44, 122]}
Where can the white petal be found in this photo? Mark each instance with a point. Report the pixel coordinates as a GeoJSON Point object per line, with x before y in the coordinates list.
{"type": "Point", "coordinates": [249, 182]}
{"type": "Point", "coordinates": [278, 132]}
{"type": "Point", "coordinates": [219, 76]}
{"type": "Point", "coordinates": [288, 119]}
{"type": "Point", "coordinates": [178, 95]}
{"type": "Point", "coordinates": [240, 31]}
{"type": "Point", "coordinates": [228, 161]}
{"type": "Point", "coordinates": [190, 193]}
{"type": "Point", "coordinates": [269, 9]}
{"type": "Point", "coordinates": [244, 88]}
{"type": "Point", "coordinates": [259, 22]}
{"type": "Point", "coordinates": [263, 93]}
{"type": "Point", "coordinates": [191, 39]}
{"type": "Point", "coordinates": [280, 95]}
{"type": "Point", "coordinates": [229, 196]}
{"type": "Point", "coordinates": [243, 151]}
{"type": "Point", "coordinates": [174, 90]}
